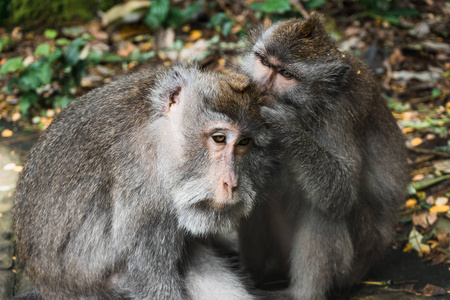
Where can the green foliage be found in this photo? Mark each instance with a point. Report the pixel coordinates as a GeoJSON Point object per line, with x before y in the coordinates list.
{"type": "Point", "coordinates": [272, 6]}
{"type": "Point", "coordinates": [51, 33]}
{"type": "Point", "coordinates": [222, 23]}
{"type": "Point", "coordinates": [314, 4]}
{"type": "Point", "coordinates": [62, 67]}
{"type": "Point", "coordinates": [385, 10]}
{"type": "Point", "coordinates": [12, 65]}
{"type": "Point", "coordinates": [5, 43]}
{"type": "Point", "coordinates": [48, 12]}
{"type": "Point", "coordinates": [162, 13]}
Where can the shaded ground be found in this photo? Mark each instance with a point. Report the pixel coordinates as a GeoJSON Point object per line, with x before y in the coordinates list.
{"type": "Point", "coordinates": [402, 273]}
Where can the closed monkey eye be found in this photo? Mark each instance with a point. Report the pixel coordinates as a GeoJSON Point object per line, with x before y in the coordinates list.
{"type": "Point", "coordinates": [244, 142]}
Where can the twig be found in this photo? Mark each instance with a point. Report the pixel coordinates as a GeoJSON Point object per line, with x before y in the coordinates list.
{"type": "Point", "coordinates": [297, 4]}
{"type": "Point", "coordinates": [19, 139]}
{"type": "Point", "coordinates": [427, 98]}
{"type": "Point", "coordinates": [429, 151]}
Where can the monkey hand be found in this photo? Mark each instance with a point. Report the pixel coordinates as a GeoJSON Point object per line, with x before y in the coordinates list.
{"type": "Point", "coordinates": [286, 126]}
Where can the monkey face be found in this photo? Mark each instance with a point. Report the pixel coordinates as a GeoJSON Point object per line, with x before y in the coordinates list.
{"type": "Point", "coordinates": [297, 63]}
{"type": "Point", "coordinates": [217, 143]}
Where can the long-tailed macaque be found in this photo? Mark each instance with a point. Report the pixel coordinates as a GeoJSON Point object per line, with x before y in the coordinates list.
{"type": "Point", "coordinates": [333, 206]}
{"type": "Point", "coordinates": [121, 193]}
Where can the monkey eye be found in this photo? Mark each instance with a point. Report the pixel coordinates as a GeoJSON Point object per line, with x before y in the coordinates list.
{"type": "Point", "coordinates": [265, 62]}
{"type": "Point", "coordinates": [286, 74]}
{"type": "Point", "coordinates": [219, 138]}
{"type": "Point", "coordinates": [244, 142]}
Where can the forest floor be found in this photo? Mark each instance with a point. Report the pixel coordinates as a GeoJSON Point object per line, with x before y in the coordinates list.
{"type": "Point", "coordinates": [410, 55]}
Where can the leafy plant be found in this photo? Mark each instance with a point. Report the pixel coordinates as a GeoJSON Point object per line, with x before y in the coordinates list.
{"type": "Point", "coordinates": [66, 66]}
{"type": "Point", "coordinates": [385, 10]}
{"type": "Point", "coordinates": [222, 23]}
{"type": "Point", "coordinates": [50, 81]}
{"type": "Point", "coordinates": [162, 13]}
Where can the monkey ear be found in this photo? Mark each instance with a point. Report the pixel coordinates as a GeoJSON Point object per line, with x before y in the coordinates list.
{"type": "Point", "coordinates": [311, 24]}
{"type": "Point", "coordinates": [332, 78]}
{"type": "Point", "coordinates": [172, 90]}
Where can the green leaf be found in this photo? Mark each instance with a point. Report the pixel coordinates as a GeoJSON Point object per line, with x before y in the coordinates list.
{"type": "Point", "coordinates": [191, 10]}
{"type": "Point", "coordinates": [27, 101]}
{"type": "Point", "coordinates": [159, 10]}
{"type": "Point", "coordinates": [313, 4]}
{"type": "Point", "coordinates": [29, 80]}
{"type": "Point", "coordinates": [55, 55]}
{"type": "Point", "coordinates": [256, 6]}
{"type": "Point", "coordinates": [95, 57]}
{"type": "Point", "coordinates": [278, 6]}
{"type": "Point", "coordinates": [227, 28]}
{"type": "Point", "coordinates": [79, 70]}
{"type": "Point", "coordinates": [51, 33]}
{"type": "Point", "coordinates": [108, 57]}
{"type": "Point", "coordinates": [62, 101]}
{"type": "Point", "coordinates": [175, 18]}
{"type": "Point", "coordinates": [12, 65]}
{"type": "Point", "coordinates": [42, 49]}
{"type": "Point", "coordinates": [45, 73]}
{"type": "Point", "coordinates": [420, 185]}
{"type": "Point", "coordinates": [436, 92]}
{"type": "Point", "coordinates": [218, 19]}
{"type": "Point", "coordinates": [63, 41]}
{"type": "Point", "coordinates": [73, 31]}
{"type": "Point", "coordinates": [72, 54]}
{"type": "Point", "coordinates": [5, 43]}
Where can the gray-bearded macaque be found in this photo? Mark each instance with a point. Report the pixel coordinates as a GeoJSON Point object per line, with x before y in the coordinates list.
{"type": "Point", "coordinates": [344, 170]}
{"type": "Point", "coordinates": [121, 193]}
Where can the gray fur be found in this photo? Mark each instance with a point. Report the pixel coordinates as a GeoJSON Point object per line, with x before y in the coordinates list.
{"type": "Point", "coordinates": [333, 206]}
{"type": "Point", "coordinates": [105, 210]}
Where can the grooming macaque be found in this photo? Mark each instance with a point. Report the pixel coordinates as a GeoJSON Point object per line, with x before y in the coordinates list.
{"type": "Point", "coordinates": [343, 175]}
{"type": "Point", "coordinates": [121, 193]}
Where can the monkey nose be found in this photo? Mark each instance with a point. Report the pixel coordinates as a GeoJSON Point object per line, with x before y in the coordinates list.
{"type": "Point", "coordinates": [230, 184]}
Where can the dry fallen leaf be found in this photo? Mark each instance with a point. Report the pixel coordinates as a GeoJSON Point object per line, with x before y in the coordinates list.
{"type": "Point", "coordinates": [408, 247]}
{"type": "Point", "coordinates": [441, 201]}
{"type": "Point", "coordinates": [407, 129]}
{"type": "Point", "coordinates": [15, 117]}
{"type": "Point", "coordinates": [416, 141]}
{"type": "Point", "coordinates": [425, 219]}
{"type": "Point", "coordinates": [418, 177]}
{"type": "Point", "coordinates": [432, 290]}
{"type": "Point", "coordinates": [7, 133]}
{"type": "Point", "coordinates": [18, 169]}
{"type": "Point", "coordinates": [430, 200]}
{"type": "Point", "coordinates": [440, 209]}
{"type": "Point", "coordinates": [195, 35]}
{"type": "Point", "coordinates": [410, 203]}
{"type": "Point", "coordinates": [415, 239]}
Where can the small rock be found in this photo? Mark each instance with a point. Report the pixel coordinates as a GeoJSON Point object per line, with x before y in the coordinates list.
{"type": "Point", "coordinates": [421, 30]}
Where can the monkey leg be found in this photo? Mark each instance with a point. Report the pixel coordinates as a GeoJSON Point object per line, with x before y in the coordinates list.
{"type": "Point", "coordinates": [321, 255]}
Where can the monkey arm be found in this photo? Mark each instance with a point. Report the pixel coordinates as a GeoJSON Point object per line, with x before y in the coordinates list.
{"type": "Point", "coordinates": [152, 268]}
{"type": "Point", "coordinates": [325, 163]}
